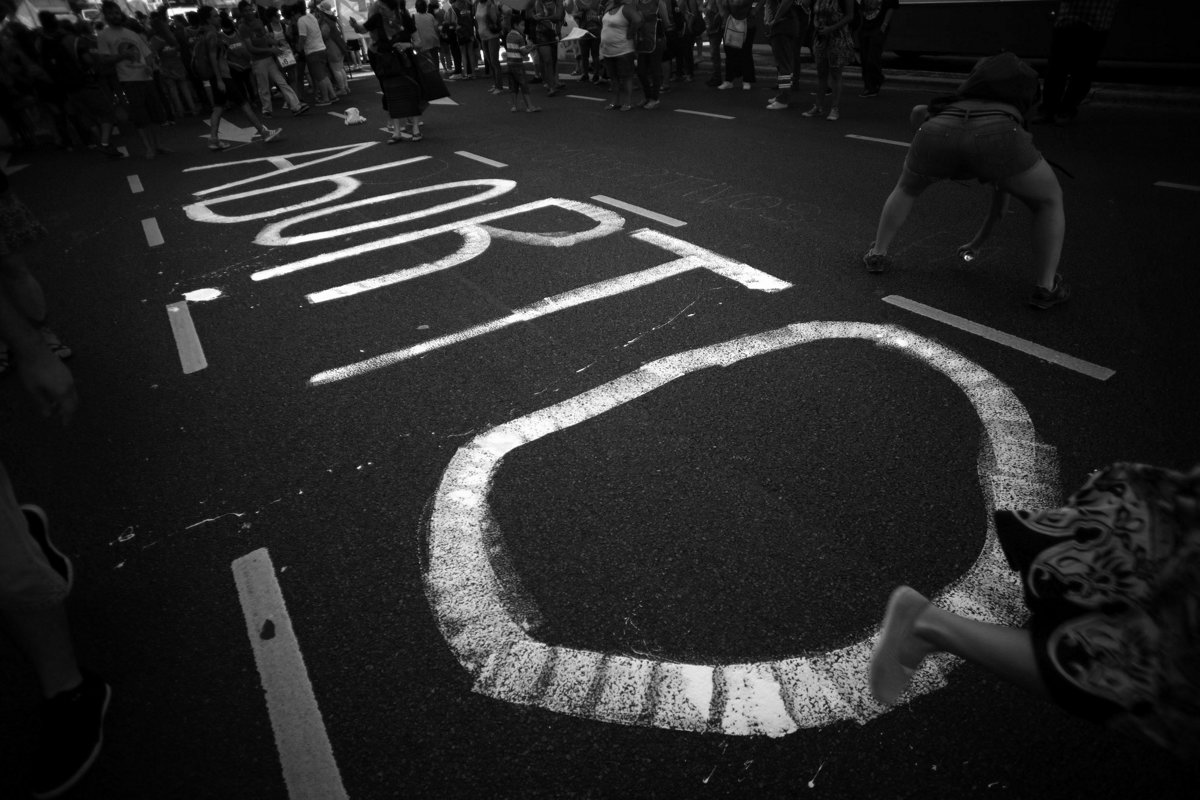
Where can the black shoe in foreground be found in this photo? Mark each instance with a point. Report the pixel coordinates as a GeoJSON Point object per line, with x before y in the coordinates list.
{"type": "Point", "coordinates": [1048, 298]}
{"type": "Point", "coordinates": [876, 262]}
{"type": "Point", "coordinates": [71, 738]}
{"type": "Point", "coordinates": [39, 531]}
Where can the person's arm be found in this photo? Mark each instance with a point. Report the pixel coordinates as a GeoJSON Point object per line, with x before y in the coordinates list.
{"type": "Point", "coordinates": [847, 17]}
{"type": "Point", "coordinates": [45, 378]}
{"type": "Point", "coordinates": [887, 18]}
{"type": "Point", "coordinates": [664, 14]}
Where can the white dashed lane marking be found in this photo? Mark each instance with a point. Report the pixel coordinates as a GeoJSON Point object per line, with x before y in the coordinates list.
{"type": "Point", "coordinates": [135, 184]}
{"type": "Point", "coordinates": [480, 159]}
{"type": "Point", "coordinates": [702, 114]}
{"type": "Point", "coordinates": [1186, 187]}
{"type": "Point", "coordinates": [309, 768]}
{"type": "Point", "coordinates": [873, 139]}
{"type": "Point", "coordinates": [999, 337]}
{"type": "Point", "coordinates": [648, 214]}
{"type": "Point", "coordinates": [154, 236]}
{"type": "Point", "coordinates": [187, 341]}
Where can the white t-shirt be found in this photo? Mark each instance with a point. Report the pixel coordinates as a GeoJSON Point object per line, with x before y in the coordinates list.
{"type": "Point", "coordinates": [114, 40]}
{"type": "Point", "coordinates": [309, 31]}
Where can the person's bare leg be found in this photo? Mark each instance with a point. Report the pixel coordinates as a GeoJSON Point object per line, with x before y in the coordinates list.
{"type": "Point", "coordinates": [835, 83]}
{"type": "Point", "coordinates": [913, 628]}
{"type": "Point", "coordinates": [23, 288]}
{"type": "Point", "coordinates": [996, 211]}
{"type": "Point", "coordinates": [44, 636]}
{"type": "Point", "coordinates": [1038, 188]}
{"type": "Point", "coordinates": [897, 207]}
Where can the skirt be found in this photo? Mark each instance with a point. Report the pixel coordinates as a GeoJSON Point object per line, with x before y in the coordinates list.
{"type": "Point", "coordinates": [18, 226]}
{"type": "Point", "coordinates": [402, 97]}
{"type": "Point", "coordinates": [1113, 582]}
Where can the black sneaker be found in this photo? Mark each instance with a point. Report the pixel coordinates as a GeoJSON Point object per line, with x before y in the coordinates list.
{"type": "Point", "coordinates": [39, 531]}
{"type": "Point", "coordinates": [877, 262]}
{"type": "Point", "coordinates": [72, 735]}
{"type": "Point", "coordinates": [1048, 298]}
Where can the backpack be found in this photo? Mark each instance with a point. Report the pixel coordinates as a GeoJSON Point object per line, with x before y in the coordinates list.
{"type": "Point", "coordinates": [201, 65]}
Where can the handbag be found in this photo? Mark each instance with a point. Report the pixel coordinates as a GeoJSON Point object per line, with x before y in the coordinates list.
{"type": "Point", "coordinates": [735, 32]}
{"type": "Point", "coordinates": [386, 63]}
{"type": "Point", "coordinates": [429, 79]}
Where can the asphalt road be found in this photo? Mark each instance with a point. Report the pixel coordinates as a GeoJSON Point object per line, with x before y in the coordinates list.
{"type": "Point", "coordinates": [748, 513]}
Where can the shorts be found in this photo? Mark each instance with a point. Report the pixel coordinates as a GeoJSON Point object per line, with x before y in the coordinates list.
{"type": "Point", "coordinates": [989, 148]}
{"type": "Point", "coordinates": [518, 81]}
{"type": "Point", "coordinates": [145, 106]}
{"type": "Point", "coordinates": [620, 68]}
{"type": "Point", "coordinates": [237, 89]}
{"type": "Point", "coordinates": [26, 579]}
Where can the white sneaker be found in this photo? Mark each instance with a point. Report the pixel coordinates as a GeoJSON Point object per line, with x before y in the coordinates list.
{"type": "Point", "coordinates": [725, 85]}
{"type": "Point", "coordinates": [815, 111]}
{"type": "Point", "coordinates": [775, 105]}
{"type": "Point", "coordinates": [747, 86]}
{"type": "Point", "coordinates": [649, 104]}
{"type": "Point", "coordinates": [833, 115]}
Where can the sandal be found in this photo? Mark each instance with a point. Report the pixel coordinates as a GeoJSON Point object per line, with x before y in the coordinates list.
{"type": "Point", "coordinates": [612, 107]}
{"type": "Point", "coordinates": [55, 344]}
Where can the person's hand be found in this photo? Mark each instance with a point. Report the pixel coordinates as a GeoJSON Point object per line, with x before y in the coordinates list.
{"type": "Point", "coordinates": [49, 384]}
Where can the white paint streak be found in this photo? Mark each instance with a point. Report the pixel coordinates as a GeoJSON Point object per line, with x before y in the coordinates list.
{"type": "Point", "coordinates": [881, 141]}
{"type": "Point", "coordinates": [202, 295]}
{"type": "Point", "coordinates": [654, 215]}
{"type": "Point", "coordinates": [344, 183]}
{"type": "Point", "coordinates": [1000, 337]}
{"type": "Point", "coordinates": [154, 236]}
{"type": "Point", "coordinates": [609, 222]}
{"type": "Point", "coordinates": [480, 159]}
{"type": "Point", "coordinates": [585, 97]}
{"type": "Point", "coordinates": [309, 768]}
{"type": "Point", "coordinates": [765, 698]}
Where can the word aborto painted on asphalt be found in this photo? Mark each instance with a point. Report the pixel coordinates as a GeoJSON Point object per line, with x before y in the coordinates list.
{"type": "Point", "coordinates": [297, 217]}
{"type": "Point", "coordinates": [484, 627]}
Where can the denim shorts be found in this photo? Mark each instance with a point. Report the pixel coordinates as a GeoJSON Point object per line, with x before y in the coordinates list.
{"type": "Point", "coordinates": [990, 148]}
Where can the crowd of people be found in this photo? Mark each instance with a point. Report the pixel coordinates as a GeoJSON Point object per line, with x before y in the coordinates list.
{"type": "Point", "coordinates": [71, 82]}
{"type": "Point", "coordinates": [74, 81]}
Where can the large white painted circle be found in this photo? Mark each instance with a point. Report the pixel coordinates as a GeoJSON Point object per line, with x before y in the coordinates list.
{"type": "Point", "coordinates": [770, 698]}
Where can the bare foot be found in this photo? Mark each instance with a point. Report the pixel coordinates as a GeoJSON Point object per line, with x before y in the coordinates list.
{"type": "Point", "coordinates": [899, 650]}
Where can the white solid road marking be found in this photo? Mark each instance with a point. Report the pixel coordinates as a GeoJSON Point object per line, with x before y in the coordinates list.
{"type": "Point", "coordinates": [480, 159]}
{"type": "Point", "coordinates": [585, 97]}
{"type": "Point", "coordinates": [770, 698]}
{"type": "Point", "coordinates": [281, 164]}
{"type": "Point", "coordinates": [1000, 337]}
{"type": "Point", "coordinates": [135, 184]}
{"type": "Point", "coordinates": [874, 139]}
{"type": "Point", "coordinates": [608, 201]}
{"type": "Point", "coordinates": [309, 769]}
{"type": "Point", "coordinates": [154, 236]}
{"type": "Point", "coordinates": [191, 354]}
{"type": "Point", "coordinates": [1184, 186]}
{"type": "Point", "coordinates": [703, 114]}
